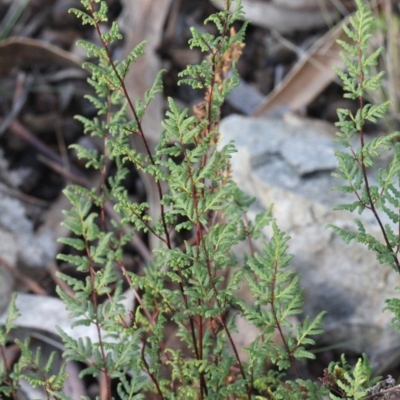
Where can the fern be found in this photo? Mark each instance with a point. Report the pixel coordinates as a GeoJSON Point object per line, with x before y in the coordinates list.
{"type": "Point", "coordinates": [348, 382]}
{"type": "Point", "coordinates": [191, 287]}
{"type": "Point", "coordinates": [201, 198]}
{"type": "Point", "coordinates": [354, 166]}
{"type": "Point", "coordinates": [354, 163]}
{"type": "Point", "coordinates": [30, 366]}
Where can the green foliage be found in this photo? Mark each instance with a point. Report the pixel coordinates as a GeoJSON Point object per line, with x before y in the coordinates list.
{"type": "Point", "coordinates": [347, 382]}
{"type": "Point", "coordinates": [190, 289]}
{"type": "Point", "coordinates": [379, 194]}
{"type": "Point", "coordinates": [355, 162]}
{"type": "Point", "coordinates": [278, 297]}
{"type": "Point", "coordinates": [30, 366]}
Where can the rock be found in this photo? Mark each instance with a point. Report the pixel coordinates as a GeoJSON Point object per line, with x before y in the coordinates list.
{"type": "Point", "coordinates": [46, 313]}
{"type": "Point", "coordinates": [288, 16]}
{"type": "Point", "coordinates": [288, 161]}
{"type": "Point", "coordinates": [33, 250]}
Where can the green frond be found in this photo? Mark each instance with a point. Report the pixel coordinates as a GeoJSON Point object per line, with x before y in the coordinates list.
{"type": "Point", "coordinates": [201, 40]}
{"type": "Point", "coordinates": [155, 89]}
{"type": "Point", "coordinates": [101, 14]}
{"type": "Point", "coordinates": [112, 35]}
{"type": "Point", "coordinates": [84, 17]}
{"type": "Point", "coordinates": [12, 315]}
{"type": "Point", "coordinates": [354, 381]}
{"type": "Point", "coordinates": [190, 287]}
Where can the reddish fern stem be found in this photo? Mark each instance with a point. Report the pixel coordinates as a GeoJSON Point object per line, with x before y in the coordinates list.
{"type": "Point", "coordinates": [364, 168]}
{"type": "Point", "coordinates": [278, 325]}
{"type": "Point", "coordinates": [137, 120]}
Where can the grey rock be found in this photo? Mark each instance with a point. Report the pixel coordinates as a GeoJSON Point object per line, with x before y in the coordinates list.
{"type": "Point", "coordinates": [287, 16]}
{"type": "Point", "coordinates": [12, 215]}
{"type": "Point", "coordinates": [34, 250]}
{"type": "Point", "coordinates": [288, 162]}
{"type": "Point", "coordinates": [305, 158]}
{"type": "Point", "coordinates": [244, 90]}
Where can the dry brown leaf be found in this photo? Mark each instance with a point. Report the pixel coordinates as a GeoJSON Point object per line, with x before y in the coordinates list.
{"type": "Point", "coordinates": [309, 76]}
{"type": "Point", "coordinates": [25, 52]}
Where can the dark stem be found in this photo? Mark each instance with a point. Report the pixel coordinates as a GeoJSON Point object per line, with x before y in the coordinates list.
{"type": "Point", "coordinates": [103, 369]}
{"type": "Point", "coordinates": [278, 325]}
{"type": "Point", "coordinates": [153, 378]}
{"type": "Point", "coordinates": [137, 120]}
{"type": "Point", "coordinates": [6, 367]}
{"type": "Point", "coordinates": [364, 169]}
{"type": "Point", "coordinates": [200, 241]}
